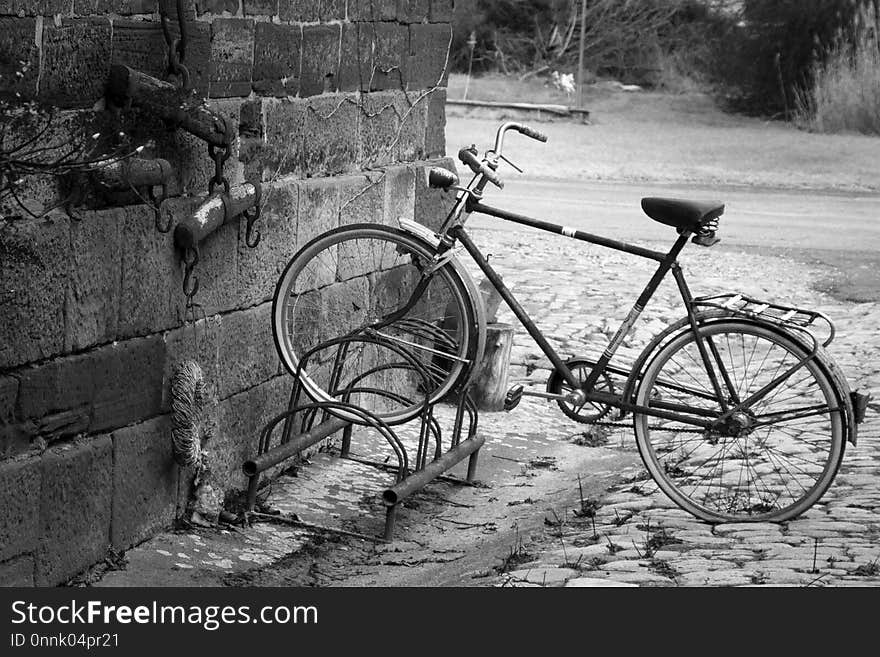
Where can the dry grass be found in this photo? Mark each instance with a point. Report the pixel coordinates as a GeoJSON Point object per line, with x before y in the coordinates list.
{"type": "Point", "coordinates": [845, 96]}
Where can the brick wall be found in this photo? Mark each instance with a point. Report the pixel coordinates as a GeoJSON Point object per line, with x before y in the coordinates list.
{"type": "Point", "coordinates": [329, 98]}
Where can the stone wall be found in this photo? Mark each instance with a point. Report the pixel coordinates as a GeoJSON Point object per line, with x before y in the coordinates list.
{"type": "Point", "coordinates": [338, 106]}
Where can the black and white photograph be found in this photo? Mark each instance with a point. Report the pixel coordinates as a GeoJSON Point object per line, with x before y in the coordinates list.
{"type": "Point", "coordinates": [336, 294]}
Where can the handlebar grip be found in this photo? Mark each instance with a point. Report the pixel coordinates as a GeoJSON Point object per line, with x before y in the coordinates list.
{"type": "Point", "coordinates": [467, 157]}
{"type": "Point", "coordinates": [441, 178]}
{"type": "Point", "coordinates": [531, 132]}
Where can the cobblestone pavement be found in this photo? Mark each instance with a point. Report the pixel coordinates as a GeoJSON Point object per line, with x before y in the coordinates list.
{"type": "Point", "coordinates": [519, 528]}
{"type": "Point", "coordinates": [581, 293]}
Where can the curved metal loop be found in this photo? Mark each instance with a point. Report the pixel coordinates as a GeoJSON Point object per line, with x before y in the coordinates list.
{"type": "Point", "coordinates": [190, 282]}
{"type": "Point", "coordinates": [213, 183]}
{"type": "Point", "coordinates": [219, 155]}
{"type": "Point", "coordinates": [157, 207]}
{"type": "Point", "coordinates": [252, 237]}
{"type": "Point", "coordinates": [175, 65]}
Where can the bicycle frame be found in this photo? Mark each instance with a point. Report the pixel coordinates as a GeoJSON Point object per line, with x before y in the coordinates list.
{"type": "Point", "coordinates": [715, 369]}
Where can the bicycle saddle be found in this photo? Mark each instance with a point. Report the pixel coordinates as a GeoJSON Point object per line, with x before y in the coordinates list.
{"type": "Point", "coordinates": [680, 214]}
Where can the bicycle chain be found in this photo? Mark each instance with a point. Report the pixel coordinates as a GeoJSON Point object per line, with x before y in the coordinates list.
{"type": "Point", "coordinates": [653, 427]}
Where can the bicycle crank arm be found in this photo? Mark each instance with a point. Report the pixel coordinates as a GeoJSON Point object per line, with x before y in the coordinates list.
{"type": "Point", "coordinates": [516, 393]}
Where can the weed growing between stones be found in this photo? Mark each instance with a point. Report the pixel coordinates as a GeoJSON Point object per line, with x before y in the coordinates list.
{"type": "Point", "coordinates": [516, 556]}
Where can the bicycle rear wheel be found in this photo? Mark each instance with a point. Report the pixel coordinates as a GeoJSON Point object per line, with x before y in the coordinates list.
{"type": "Point", "coordinates": [411, 335]}
{"type": "Point", "coordinates": [770, 462]}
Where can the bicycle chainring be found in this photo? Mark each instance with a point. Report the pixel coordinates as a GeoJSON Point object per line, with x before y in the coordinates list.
{"type": "Point", "coordinates": [589, 412]}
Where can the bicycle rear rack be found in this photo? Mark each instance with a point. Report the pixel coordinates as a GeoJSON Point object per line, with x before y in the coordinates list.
{"type": "Point", "coordinates": [410, 474]}
{"type": "Point", "coordinates": [790, 317]}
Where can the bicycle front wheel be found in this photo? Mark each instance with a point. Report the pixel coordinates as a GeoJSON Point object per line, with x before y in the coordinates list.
{"type": "Point", "coordinates": [409, 334]}
{"type": "Point", "coordinates": [774, 458]}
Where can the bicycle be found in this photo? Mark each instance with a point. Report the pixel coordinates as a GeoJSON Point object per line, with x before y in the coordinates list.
{"type": "Point", "coordinates": [739, 412]}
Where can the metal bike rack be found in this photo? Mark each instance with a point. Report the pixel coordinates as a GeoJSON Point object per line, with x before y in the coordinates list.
{"type": "Point", "coordinates": [301, 428]}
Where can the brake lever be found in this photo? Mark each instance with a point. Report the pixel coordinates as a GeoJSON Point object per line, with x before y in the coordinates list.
{"type": "Point", "coordinates": [510, 163]}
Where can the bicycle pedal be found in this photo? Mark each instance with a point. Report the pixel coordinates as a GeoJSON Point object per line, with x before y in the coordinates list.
{"type": "Point", "coordinates": [513, 398]}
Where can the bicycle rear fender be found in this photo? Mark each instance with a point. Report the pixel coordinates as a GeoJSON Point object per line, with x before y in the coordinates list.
{"type": "Point", "coordinates": [431, 240]}
{"type": "Point", "coordinates": [823, 359]}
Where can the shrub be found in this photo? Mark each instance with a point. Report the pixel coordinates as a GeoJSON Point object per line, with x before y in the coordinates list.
{"type": "Point", "coordinates": [776, 47]}
{"type": "Point", "coordinates": [845, 91]}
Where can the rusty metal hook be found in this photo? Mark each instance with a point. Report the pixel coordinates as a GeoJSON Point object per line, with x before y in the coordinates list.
{"type": "Point", "coordinates": [190, 282]}
{"type": "Point", "coordinates": [252, 237]}
{"type": "Point", "coordinates": [157, 208]}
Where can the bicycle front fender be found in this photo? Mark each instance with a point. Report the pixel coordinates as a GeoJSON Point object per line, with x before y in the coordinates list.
{"type": "Point", "coordinates": [431, 239]}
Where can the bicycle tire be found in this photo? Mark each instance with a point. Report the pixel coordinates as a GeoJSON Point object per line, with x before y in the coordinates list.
{"type": "Point", "coordinates": [343, 283]}
{"type": "Point", "coordinates": [773, 470]}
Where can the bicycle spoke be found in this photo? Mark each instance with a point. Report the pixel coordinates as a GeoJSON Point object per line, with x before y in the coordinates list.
{"type": "Point", "coordinates": [771, 460]}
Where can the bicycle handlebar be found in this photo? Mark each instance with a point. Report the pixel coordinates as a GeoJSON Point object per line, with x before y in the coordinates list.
{"type": "Point", "coordinates": [468, 157]}
{"type": "Point", "coordinates": [530, 132]}
{"type": "Point", "coordinates": [487, 166]}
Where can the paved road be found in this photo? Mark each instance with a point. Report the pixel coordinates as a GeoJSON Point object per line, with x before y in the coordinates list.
{"type": "Point", "coordinates": [766, 218]}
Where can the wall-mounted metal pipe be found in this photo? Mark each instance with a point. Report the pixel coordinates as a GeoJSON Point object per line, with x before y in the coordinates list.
{"type": "Point", "coordinates": [219, 208]}
{"type": "Point", "coordinates": [419, 479]}
{"type": "Point", "coordinates": [127, 86]}
{"type": "Point", "coordinates": [132, 172]}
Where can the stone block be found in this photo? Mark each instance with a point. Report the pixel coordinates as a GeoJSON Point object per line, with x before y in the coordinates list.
{"type": "Point", "coordinates": [413, 111]}
{"type": "Point", "coordinates": [232, 56]}
{"type": "Point", "coordinates": [95, 277]}
{"type": "Point", "coordinates": [428, 64]}
{"type": "Point", "coordinates": [330, 144]}
{"type": "Point", "coordinates": [299, 11]}
{"type": "Point", "coordinates": [217, 270]}
{"type": "Point", "coordinates": [372, 10]}
{"type": "Point", "coordinates": [441, 11]}
{"type": "Point", "coordinates": [382, 56]}
{"type": "Point", "coordinates": [141, 45]}
{"type": "Point", "coordinates": [34, 266]}
{"type": "Point", "coordinates": [318, 209]}
{"type": "Point", "coordinates": [320, 59]}
{"type": "Point", "coordinates": [151, 297]}
{"type": "Point", "coordinates": [120, 7]}
{"type": "Point", "coordinates": [240, 420]}
{"type": "Point", "coordinates": [144, 482]}
{"type": "Point", "coordinates": [127, 380]}
{"type": "Point", "coordinates": [400, 194]}
{"type": "Point", "coordinates": [19, 45]}
{"type": "Point", "coordinates": [352, 60]}
{"type": "Point", "coordinates": [116, 385]}
{"type": "Point", "coordinates": [20, 513]}
{"type": "Point", "coordinates": [18, 571]}
{"type": "Point", "coordinates": [282, 149]}
{"type": "Point", "coordinates": [75, 509]}
{"type": "Point", "coordinates": [431, 205]}
{"type": "Point", "coordinates": [196, 342]}
{"type": "Point", "coordinates": [413, 11]}
{"type": "Point", "coordinates": [435, 124]}
{"type": "Point", "coordinates": [75, 62]}
{"type": "Point", "coordinates": [8, 399]}
{"type": "Point", "coordinates": [35, 7]}
{"type": "Point", "coordinates": [379, 129]}
{"type": "Point", "coordinates": [277, 51]}
{"type": "Point", "coordinates": [247, 355]}
{"type": "Point", "coordinates": [260, 7]}
{"type": "Point", "coordinates": [15, 439]}
{"type": "Point", "coordinates": [259, 268]}
{"type": "Point", "coordinates": [311, 11]}
{"type": "Point", "coordinates": [216, 6]}
{"type": "Point", "coordinates": [362, 198]}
